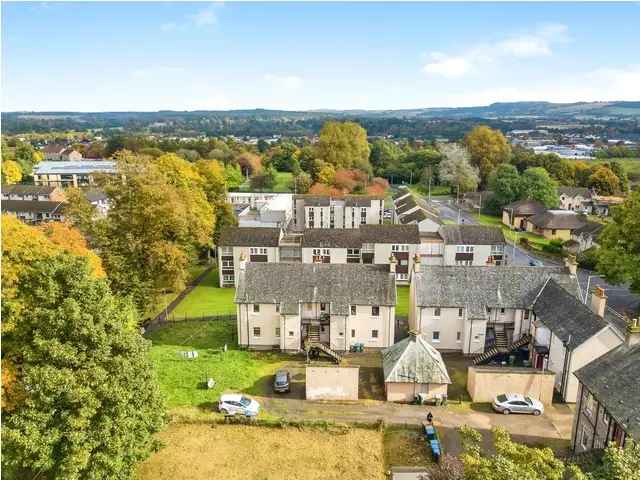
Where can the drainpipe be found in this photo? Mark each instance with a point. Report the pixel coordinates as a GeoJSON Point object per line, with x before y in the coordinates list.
{"type": "Point", "coordinates": [595, 427]}
{"type": "Point", "coordinates": [579, 412]}
{"type": "Point", "coordinates": [470, 335]}
{"type": "Point", "coordinates": [565, 381]}
{"type": "Point", "coordinates": [246, 308]}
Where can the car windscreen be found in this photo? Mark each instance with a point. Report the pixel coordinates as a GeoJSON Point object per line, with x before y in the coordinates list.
{"type": "Point", "coordinates": [245, 402]}
{"type": "Point", "coordinates": [528, 400]}
{"type": "Point", "coordinates": [502, 398]}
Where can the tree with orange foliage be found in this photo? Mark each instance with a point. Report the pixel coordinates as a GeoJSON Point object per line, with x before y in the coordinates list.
{"type": "Point", "coordinates": [322, 189]}
{"type": "Point", "coordinates": [249, 163]}
{"type": "Point", "coordinates": [344, 180]}
{"type": "Point", "coordinates": [378, 187]}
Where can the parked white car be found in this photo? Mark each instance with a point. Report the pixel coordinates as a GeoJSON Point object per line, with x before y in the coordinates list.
{"type": "Point", "coordinates": [515, 403]}
{"type": "Point", "coordinates": [235, 403]}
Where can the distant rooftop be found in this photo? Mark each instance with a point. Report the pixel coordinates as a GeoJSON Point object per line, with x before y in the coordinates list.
{"type": "Point", "coordinates": [71, 167]}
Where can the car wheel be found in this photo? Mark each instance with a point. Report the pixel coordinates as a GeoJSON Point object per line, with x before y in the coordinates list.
{"type": "Point", "coordinates": [506, 411]}
{"type": "Point", "coordinates": [537, 412]}
{"type": "Point", "coordinates": [224, 411]}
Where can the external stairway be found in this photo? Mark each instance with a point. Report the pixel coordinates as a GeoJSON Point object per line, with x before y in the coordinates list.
{"type": "Point", "coordinates": [500, 349]}
{"type": "Point", "coordinates": [312, 343]}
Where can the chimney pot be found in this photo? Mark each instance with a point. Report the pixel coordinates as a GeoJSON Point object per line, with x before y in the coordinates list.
{"type": "Point", "coordinates": [633, 332]}
{"type": "Point", "coordinates": [392, 264]}
{"type": "Point", "coordinates": [572, 264]}
{"type": "Point", "coordinates": [243, 261]}
{"type": "Point", "coordinates": [599, 301]}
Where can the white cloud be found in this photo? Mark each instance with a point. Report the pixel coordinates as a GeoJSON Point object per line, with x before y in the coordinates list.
{"type": "Point", "coordinates": [539, 43]}
{"type": "Point", "coordinates": [288, 82]}
{"type": "Point", "coordinates": [205, 17]}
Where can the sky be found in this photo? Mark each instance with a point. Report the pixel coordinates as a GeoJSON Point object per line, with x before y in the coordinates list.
{"type": "Point", "coordinates": [296, 56]}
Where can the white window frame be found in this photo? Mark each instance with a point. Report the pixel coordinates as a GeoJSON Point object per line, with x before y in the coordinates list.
{"type": "Point", "coordinates": [437, 312]}
{"type": "Point", "coordinates": [435, 336]}
{"type": "Point", "coordinates": [257, 329]}
{"type": "Point", "coordinates": [256, 308]}
{"type": "Point", "coordinates": [375, 314]}
{"type": "Point", "coordinates": [377, 334]}
{"type": "Point", "coordinates": [277, 332]}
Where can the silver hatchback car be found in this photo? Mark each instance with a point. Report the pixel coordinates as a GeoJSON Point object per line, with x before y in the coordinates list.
{"type": "Point", "coordinates": [515, 403]}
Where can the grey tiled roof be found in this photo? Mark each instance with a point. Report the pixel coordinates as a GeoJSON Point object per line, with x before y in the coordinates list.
{"type": "Point", "coordinates": [249, 237]}
{"type": "Point", "coordinates": [558, 219]}
{"type": "Point", "coordinates": [413, 360]}
{"type": "Point", "coordinates": [405, 207]}
{"type": "Point", "coordinates": [471, 235]}
{"type": "Point", "coordinates": [314, 200]}
{"type": "Point", "coordinates": [401, 193]}
{"type": "Point", "coordinates": [613, 380]}
{"type": "Point", "coordinates": [566, 316]}
{"type": "Point", "coordinates": [416, 216]}
{"type": "Point", "coordinates": [27, 190]}
{"type": "Point", "coordinates": [331, 238]}
{"type": "Point", "coordinates": [479, 288]}
{"type": "Point", "coordinates": [33, 206]}
{"type": "Point", "coordinates": [390, 234]}
{"type": "Point", "coordinates": [359, 200]}
{"type": "Point", "coordinates": [525, 207]}
{"type": "Point", "coordinates": [575, 191]}
{"type": "Point", "coordinates": [335, 284]}
{"type": "Point", "coordinates": [591, 228]}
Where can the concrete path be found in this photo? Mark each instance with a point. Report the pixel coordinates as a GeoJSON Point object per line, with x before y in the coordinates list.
{"type": "Point", "coordinates": [552, 429]}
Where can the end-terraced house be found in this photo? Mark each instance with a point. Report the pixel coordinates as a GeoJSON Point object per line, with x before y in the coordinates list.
{"type": "Point", "coordinates": [608, 408]}
{"type": "Point", "coordinates": [350, 211]}
{"type": "Point", "coordinates": [490, 311]}
{"type": "Point", "coordinates": [282, 305]}
{"type": "Point", "coordinates": [477, 245]}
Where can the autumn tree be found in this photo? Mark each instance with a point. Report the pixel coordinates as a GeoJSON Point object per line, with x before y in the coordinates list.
{"type": "Point", "coordinates": [265, 179]}
{"type": "Point", "coordinates": [378, 187]}
{"type": "Point", "coordinates": [250, 163]}
{"type": "Point", "coordinates": [11, 172]}
{"type": "Point", "coordinates": [301, 183]}
{"type": "Point", "coordinates": [536, 184]}
{"type": "Point", "coordinates": [604, 180]}
{"type": "Point", "coordinates": [487, 148]}
{"type": "Point", "coordinates": [456, 169]}
{"type": "Point", "coordinates": [159, 219]}
{"type": "Point", "coordinates": [89, 402]}
{"type": "Point", "coordinates": [619, 255]}
{"type": "Point", "coordinates": [344, 145]}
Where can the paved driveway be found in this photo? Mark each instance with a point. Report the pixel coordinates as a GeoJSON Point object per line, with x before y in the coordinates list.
{"type": "Point", "coordinates": [553, 428]}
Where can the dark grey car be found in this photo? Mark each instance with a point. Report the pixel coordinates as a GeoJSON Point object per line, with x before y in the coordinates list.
{"type": "Point", "coordinates": [282, 381]}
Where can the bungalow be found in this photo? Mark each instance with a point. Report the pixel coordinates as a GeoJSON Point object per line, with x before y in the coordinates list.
{"type": "Point", "coordinates": [283, 305]}
{"type": "Point", "coordinates": [608, 408]}
{"type": "Point", "coordinates": [574, 198]}
{"type": "Point", "coordinates": [555, 224]}
{"type": "Point", "coordinates": [477, 245]}
{"type": "Point", "coordinates": [413, 366]}
{"type": "Point", "coordinates": [515, 214]}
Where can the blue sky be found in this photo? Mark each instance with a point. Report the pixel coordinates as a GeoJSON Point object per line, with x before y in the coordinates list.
{"type": "Point", "coordinates": [186, 56]}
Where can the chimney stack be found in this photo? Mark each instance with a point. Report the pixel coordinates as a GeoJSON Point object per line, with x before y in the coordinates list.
{"type": "Point", "coordinates": [598, 301]}
{"type": "Point", "coordinates": [633, 332]}
{"type": "Point", "coordinates": [416, 263]}
{"type": "Point", "coordinates": [243, 261]}
{"type": "Point", "coordinates": [572, 264]}
{"type": "Point", "coordinates": [393, 261]}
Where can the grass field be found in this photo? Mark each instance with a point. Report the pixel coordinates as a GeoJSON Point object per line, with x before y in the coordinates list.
{"type": "Point", "coordinates": [536, 241]}
{"type": "Point", "coordinates": [230, 452]}
{"type": "Point", "coordinates": [402, 300]}
{"type": "Point", "coordinates": [183, 382]}
{"type": "Point", "coordinates": [165, 299]}
{"type": "Point", "coordinates": [207, 299]}
{"type": "Point", "coordinates": [282, 184]}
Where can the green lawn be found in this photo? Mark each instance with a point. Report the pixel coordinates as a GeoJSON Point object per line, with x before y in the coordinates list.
{"type": "Point", "coordinates": [536, 241]}
{"type": "Point", "coordinates": [282, 185]}
{"type": "Point", "coordinates": [436, 190]}
{"type": "Point", "coordinates": [402, 303]}
{"type": "Point", "coordinates": [183, 381]}
{"type": "Point", "coordinates": [163, 300]}
{"type": "Point", "coordinates": [207, 299]}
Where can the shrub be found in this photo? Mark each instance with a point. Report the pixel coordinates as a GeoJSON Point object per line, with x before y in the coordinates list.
{"type": "Point", "coordinates": [524, 242]}
{"type": "Point", "coordinates": [554, 246]}
{"type": "Point", "coordinates": [588, 259]}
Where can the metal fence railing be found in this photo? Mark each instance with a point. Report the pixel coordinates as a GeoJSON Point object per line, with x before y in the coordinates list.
{"type": "Point", "coordinates": [161, 321]}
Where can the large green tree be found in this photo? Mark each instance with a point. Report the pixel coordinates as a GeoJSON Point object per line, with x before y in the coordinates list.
{"type": "Point", "coordinates": [619, 257]}
{"type": "Point", "coordinates": [604, 180]}
{"type": "Point", "coordinates": [344, 145]}
{"type": "Point", "coordinates": [488, 148]}
{"type": "Point", "coordinates": [85, 402]}
{"type": "Point", "coordinates": [505, 183]}
{"type": "Point", "coordinates": [536, 184]}
{"type": "Point", "coordinates": [456, 169]}
{"type": "Point", "coordinates": [384, 155]}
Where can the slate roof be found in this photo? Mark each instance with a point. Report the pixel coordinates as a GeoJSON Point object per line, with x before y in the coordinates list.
{"type": "Point", "coordinates": [33, 206]}
{"type": "Point", "coordinates": [359, 200]}
{"type": "Point", "coordinates": [566, 316]}
{"type": "Point", "coordinates": [413, 360]}
{"type": "Point", "coordinates": [390, 234]}
{"type": "Point", "coordinates": [405, 207]}
{"type": "Point", "coordinates": [418, 216]}
{"type": "Point", "coordinates": [613, 380]}
{"type": "Point", "coordinates": [479, 288]}
{"type": "Point", "coordinates": [584, 192]}
{"type": "Point", "coordinates": [558, 219]}
{"type": "Point", "coordinates": [337, 284]}
{"type": "Point", "coordinates": [54, 148]}
{"type": "Point", "coordinates": [525, 207]}
{"type": "Point", "coordinates": [401, 193]}
{"type": "Point", "coordinates": [314, 200]}
{"type": "Point", "coordinates": [471, 235]}
{"type": "Point", "coordinates": [410, 200]}
{"type": "Point", "coordinates": [27, 190]}
{"type": "Point", "coordinates": [249, 237]}
{"type": "Point", "coordinates": [589, 228]}
{"type": "Point", "coordinates": [331, 238]}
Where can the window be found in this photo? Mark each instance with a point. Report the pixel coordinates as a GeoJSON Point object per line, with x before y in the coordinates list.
{"type": "Point", "coordinates": [277, 308]}
{"type": "Point", "coordinates": [326, 251]}
{"type": "Point", "coordinates": [341, 334]}
{"type": "Point", "coordinates": [374, 333]}
{"type": "Point", "coordinates": [435, 336]}
{"type": "Point", "coordinates": [227, 278]}
{"type": "Point", "coordinates": [553, 231]}
{"type": "Point", "coordinates": [399, 248]}
{"type": "Point", "coordinates": [291, 333]}
{"type": "Point", "coordinates": [256, 308]}
{"type": "Point", "coordinates": [488, 309]}
{"type": "Point", "coordinates": [277, 331]}
{"type": "Point", "coordinates": [227, 263]}
{"type": "Point", "coordinates": [402, 276]}
{"type": "Point", "coordinates": [436, 312]}
{"type": "Point", "coordinates": [458, 336]}
{"type": "Point", "coordinates": [353, 333]}
{"type": "Point", "coordinates": [375, 311]}
{"type": "Point", "coordinates": [323, 307]}
{"type": "Point", "coordinates": [526, 314]}
{"type": "Point", "coordinates": [353, 251]}
{"type": "Point", "coordinates": [256, 331]}
{"type": "Point", "coordinates": [258, 251]}
{"type": "Point", "coordinates": [460, 310]}
{"type": "Point", "coordinates": [227, 250]}
{"type": "Point", "coordinates": [353, 309]}
{"type": "Point", "coordinates": [502, 311]}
